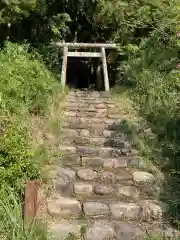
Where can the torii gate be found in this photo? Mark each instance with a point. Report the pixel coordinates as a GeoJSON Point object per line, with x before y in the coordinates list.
{"type": "Point", "coordinates": [101, 54]}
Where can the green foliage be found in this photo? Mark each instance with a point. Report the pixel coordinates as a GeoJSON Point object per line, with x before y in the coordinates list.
{"type": "Point", "coordinates": [152, 69]}
{"type": "Point", "coordinates": [11, 10]}
{"type": "Point", "coordinates": [23, 80]}
{"type": "Point", "coordinates": [26, 86]}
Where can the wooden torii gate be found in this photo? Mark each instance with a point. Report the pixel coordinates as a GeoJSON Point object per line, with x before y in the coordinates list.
{"type": "Point", "coordinates": [101, 54]}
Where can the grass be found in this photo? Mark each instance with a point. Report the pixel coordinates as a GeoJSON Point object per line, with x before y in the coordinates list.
{"type": "Point", "coordinates": [11, 220]}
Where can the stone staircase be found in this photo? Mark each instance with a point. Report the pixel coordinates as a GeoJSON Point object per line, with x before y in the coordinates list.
{"type": "Point", "coordinates": [99, 191]}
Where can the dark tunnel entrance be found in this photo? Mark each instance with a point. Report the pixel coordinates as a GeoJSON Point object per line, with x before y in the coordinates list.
{"type": "Point", "coordinates": [82, 74]}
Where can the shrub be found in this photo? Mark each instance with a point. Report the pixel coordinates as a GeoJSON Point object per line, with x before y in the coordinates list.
{"type": "Point", "coordinates": [26, 86]}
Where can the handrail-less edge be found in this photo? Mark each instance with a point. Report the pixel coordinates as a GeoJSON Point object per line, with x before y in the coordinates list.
{"type": "Point", "coordinates": [84, 45]}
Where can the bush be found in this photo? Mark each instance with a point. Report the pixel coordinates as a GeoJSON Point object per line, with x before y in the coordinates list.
{"type": "Point", "coordinates": [26, 86]}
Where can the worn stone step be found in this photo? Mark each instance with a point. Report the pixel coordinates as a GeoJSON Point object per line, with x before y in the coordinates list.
{"type": "Point", "coordinates": [108, 192]}
{"type": "Point", "coordinates": [98, 108]}
{"type": "Point", "coordinates": [143, 211]}
{"type": "Point", "coordinates": [90, 114]}
{"type": "Point", "coordinates": [105, 152]}
{"type": "Point", "coordinates": [75, 102]}
{"type": "Point", "coordinates": [93, 94]}
{"type": "Point", "coordinates": [91, 132]}
{"type": "Point", "coordinates": [108, 102]}
{"type": "Point", "coordinates": [66, 176]}
{"type": "Point", "coordinates": [98, 162]}
{"type": "Point", "coordinates": [110, 163]}
{"type": "Point", "coordinates": [74, 106]}
{"type": "Point", "coordinates": [109, 229]}
{"type": "Point", "coordinates": [71, 208]}
{"type": "Point", "coordinates": [92, 120]}
{"type": "Point", "coordinates": [93, 123]}
{"type": "Point", "coordinates": [79, 105]}
{"type": "Point", "coordinates": [98, 141]}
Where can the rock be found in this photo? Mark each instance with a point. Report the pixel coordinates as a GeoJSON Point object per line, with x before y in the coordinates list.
{"type": "Point", "coordinates": [97, 141]}
{"type": "Point", "coordinates": [95, 95]}
{"type": "Point", "coordinates": [81, 141]}
{"type": "Point", "coordinates": [63, 207]}
{"type": "Point", "coordinates": [83, 189]}
{"type": "Point", "coordinates": [107, 177]}
{"type": "Point", "coordinates": [63, 187]}
{"type": "Point", "coordinates": [122, 210]}
{"type": "Point", "coordinates": [143, 177]}
{"type": "Point", "coordinates": [101, 113]}
{"type": "Point", "coordinates": [92, 162]}
{"type": "Point", "coordinates": [87, 174]}
{"type": "Point", "coordinates": [88, 151]}
{"type": "Point", "coordinates": [97, 129]}
{"type": "Point", "coordinates": [108, 134]}
{"type": "Point", "coordinates": [85, 133]}
{"type": "Point", "coordinates": [134, 162]}
{"type": "Point", "coordinates": [128, 191]}
{"type": "Point", "coordinates": [116, 153]}
{"type": "Point", "coordinates": [70, 160]}
{"type": "Point", "coordinates": [153, 209]}
{"type": "Point", "coordinates": [100, 106]}
{"type": "Point", "coordinates": [103, 189]}
{"type": "Point", "coordinates": [69, 133]}
{"type": "Point", "coordinates": [113, 110]}
{"type": "Point", "coordinates": [123, 175]}
{"type": "Point", "coordinates": [78, 125]}
{"type": "Point", "coordinates": [64, 229]}
{"type": "Point", "coordinates": [67, 149]}
{"type": "Point", "coordinates": [127, 231]}
{"type": "Point", "coordinates": [115, 163]}
{"type": "Point", "coordinates": [95, 209]}
{"type": "Point", "coordinates": [68, 174]}
{"type": "Point", "coordinates": [125, 151]}
{"type": "Point", "coordinates": [101, 230]}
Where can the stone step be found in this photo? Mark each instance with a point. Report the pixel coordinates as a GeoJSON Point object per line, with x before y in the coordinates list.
{"type": "Point", "coordinates": [100, 131]}
{"type": "Point", "coordinates": [90, 114]}
{"type": "Point", "coordinates": [93, 94]}
{"type": "Point", "coordinates": [93, 123]}
{"type": "Point", "coordinates": [92, 120]}
{"type": "Point", "coordinates": [71, 208]}
{"type": "Point", "coordinates": [106, 152]}
{"type": "Point", "coordinates": [109, 192]}
{"type": "Point", "coordinates": [95, 142]}
{"type": "Point", "coordinates": [99, 163]}
{"type": "Point", "coordinates": [93, 101]}
{"type": "Point", "coordinates": [109, 229]}
{"type": "Point", "coordinates": [67, 175]}
{"type": "Point", "coordinates": [94, 113]}
{"type": "Point", "coordinates": [106, 191]}
{"type": "Point", "coordinates": [85, 101]}
{"type": "Point", "coordinates": [121, 184]}
{"type": "Point", "coordinates": [86, 107]}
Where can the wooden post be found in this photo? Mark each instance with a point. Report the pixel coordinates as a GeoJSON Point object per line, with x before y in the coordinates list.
{"type": "Point", "coordinates": [99, 76]}
{"type": "Point", "coordinates": [64, 67]}
{"type": "Point", "coordinates": [106, 79]}
{"type": "Point", "coordinates": [30, 206]}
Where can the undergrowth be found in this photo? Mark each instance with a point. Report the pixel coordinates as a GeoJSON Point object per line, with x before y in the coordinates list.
{"type": "Point", "coordinates": [149, 96]}
{"type": "Point", "coordinates": [31, 104]}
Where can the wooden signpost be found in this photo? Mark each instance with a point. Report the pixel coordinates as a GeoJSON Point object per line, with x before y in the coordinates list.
{"type": "Point", "coordinates": [101, 54]}
{"type": "Point", "coordinates": [31, 203]}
